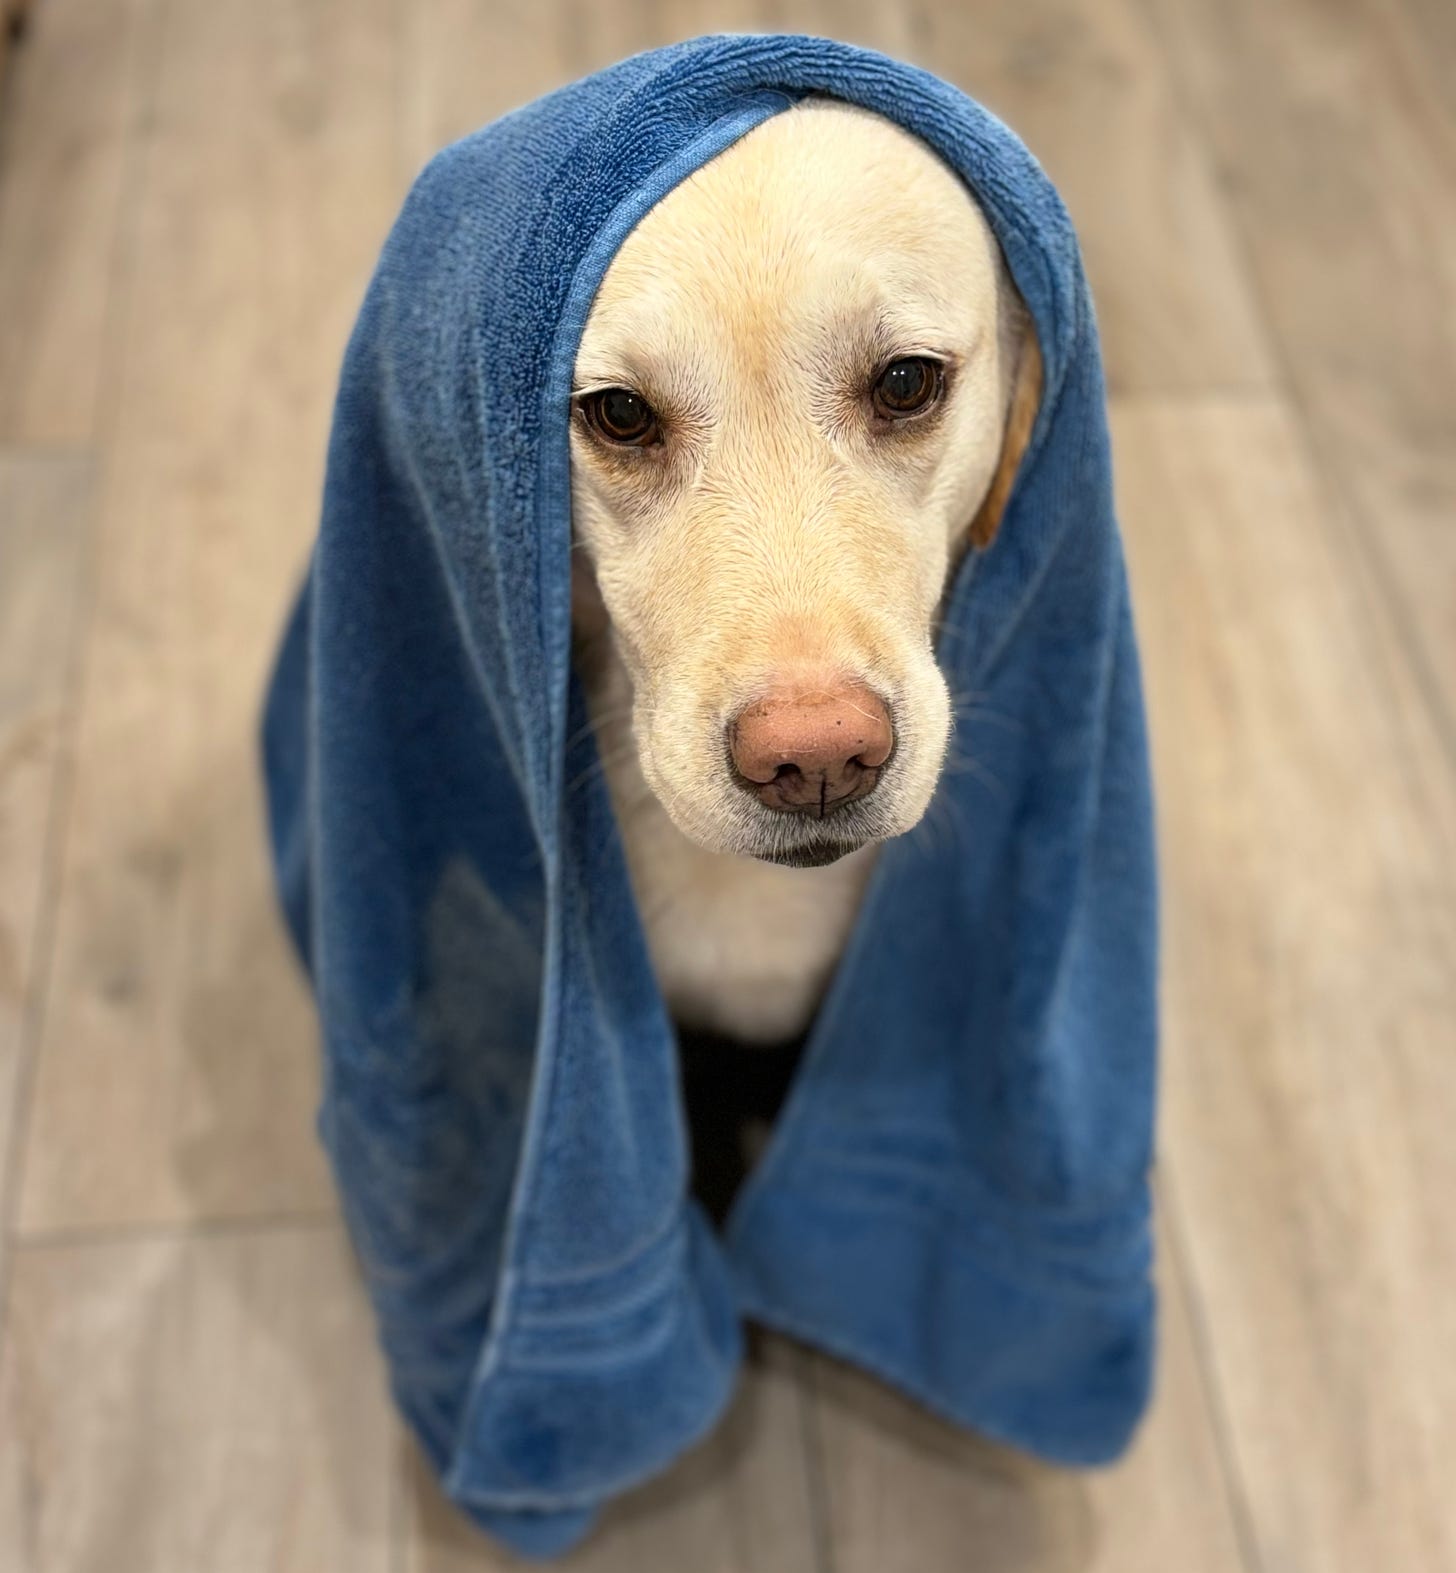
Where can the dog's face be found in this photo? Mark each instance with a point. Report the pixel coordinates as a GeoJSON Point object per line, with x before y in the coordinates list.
{"type": "Point", "coordinates": [790, 407]}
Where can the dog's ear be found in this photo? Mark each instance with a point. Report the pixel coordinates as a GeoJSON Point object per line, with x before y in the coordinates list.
{"type": "Point", "coordinates": [1020, 418]}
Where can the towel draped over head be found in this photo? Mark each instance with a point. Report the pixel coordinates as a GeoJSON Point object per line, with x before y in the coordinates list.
{"type": "Point", "coordinates": [955, 1196]}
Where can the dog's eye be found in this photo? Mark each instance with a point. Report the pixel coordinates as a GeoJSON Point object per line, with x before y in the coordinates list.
{"type": "Point", "coordinates": [622, 416]}
{"type": "Point", "coordinates": [907, 386]}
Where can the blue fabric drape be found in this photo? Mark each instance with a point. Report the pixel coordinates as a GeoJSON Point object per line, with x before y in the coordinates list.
{"type": "Point", "coordinates": [956, 1195]}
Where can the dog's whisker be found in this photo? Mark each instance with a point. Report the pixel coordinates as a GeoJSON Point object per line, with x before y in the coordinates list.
{"type": "Point", "coordinates": [603, 720]}
{"type": "Point", "coordinates": [969, 703]}
{"type": "Point", "coordinates": [948, 633]}
{"type": "Point", "coordinates": [600, 765]}
{"type": "Point", "coordinates": [941, 826]}
{"type": "Point", "coordinates": [989, 718]}
{"type": "Point", "coordinates": [966, 765]}
{"type": "Point", "coordinates": [578, 782]}
{"type": "Point", "coordinates": [582, 733]}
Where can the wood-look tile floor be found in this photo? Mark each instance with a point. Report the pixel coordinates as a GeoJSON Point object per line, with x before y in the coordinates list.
{"type": "Point", "coordinates": [192, 193]}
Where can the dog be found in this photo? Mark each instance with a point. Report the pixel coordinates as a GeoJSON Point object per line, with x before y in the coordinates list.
{"type": "Point", "coordinates": [802, 393]}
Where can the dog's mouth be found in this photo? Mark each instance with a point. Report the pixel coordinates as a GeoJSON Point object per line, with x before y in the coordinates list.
{"type": "Point", "coordinates": [804, 841]}
{"type": "Point", "coordinates": [812, 857]}
{"type": "Point", "coordinates": [728, 822]}
{"type": "Point", "coordinates": [802, 838]}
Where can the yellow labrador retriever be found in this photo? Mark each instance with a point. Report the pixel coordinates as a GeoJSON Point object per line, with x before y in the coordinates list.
{"type": "Point", "coordinates": [803, 389]}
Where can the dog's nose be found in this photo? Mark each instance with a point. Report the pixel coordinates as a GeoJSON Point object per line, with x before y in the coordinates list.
{"type": "Point", "coordinates": [814, 750]}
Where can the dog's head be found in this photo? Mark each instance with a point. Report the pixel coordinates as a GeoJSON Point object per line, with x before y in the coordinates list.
{"type": "Point", "coordinates": [805, 381]}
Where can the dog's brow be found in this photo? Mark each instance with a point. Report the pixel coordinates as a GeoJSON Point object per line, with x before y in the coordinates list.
{"type": "Point", "coordinates": [610, 352]}
{"type": "Point", "coordinates": [901, 328]}
{"type": "Point", "coordinates": [862, 336]}
{"type": "Point", "coordinates": [604, 371]}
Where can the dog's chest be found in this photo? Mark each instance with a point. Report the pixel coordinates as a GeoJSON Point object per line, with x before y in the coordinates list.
{"type": "Point", "coordinates": [739, 947]}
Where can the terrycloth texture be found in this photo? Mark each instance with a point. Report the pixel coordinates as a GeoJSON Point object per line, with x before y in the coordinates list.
{"type": "Point", "coordinates": [955, 1196]}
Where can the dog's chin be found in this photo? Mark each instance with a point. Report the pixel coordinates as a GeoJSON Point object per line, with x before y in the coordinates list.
{"type": "Point", "coordinates": [810, 857]}
{"type": "Point", "coordinates": [795, 841]}
{"type": "Point", "coordinates": [786, 841]}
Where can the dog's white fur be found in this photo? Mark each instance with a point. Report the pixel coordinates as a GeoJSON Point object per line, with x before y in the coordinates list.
{"type": "Point", "coordinates": [780, 531]}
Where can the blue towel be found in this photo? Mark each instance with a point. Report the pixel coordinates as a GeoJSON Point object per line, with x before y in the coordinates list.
{"type": "Point", "coordinates": [955, 1196]}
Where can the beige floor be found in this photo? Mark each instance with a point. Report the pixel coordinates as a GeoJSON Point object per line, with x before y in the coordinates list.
{"type": "Point", "coordinates": [191, 194]}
